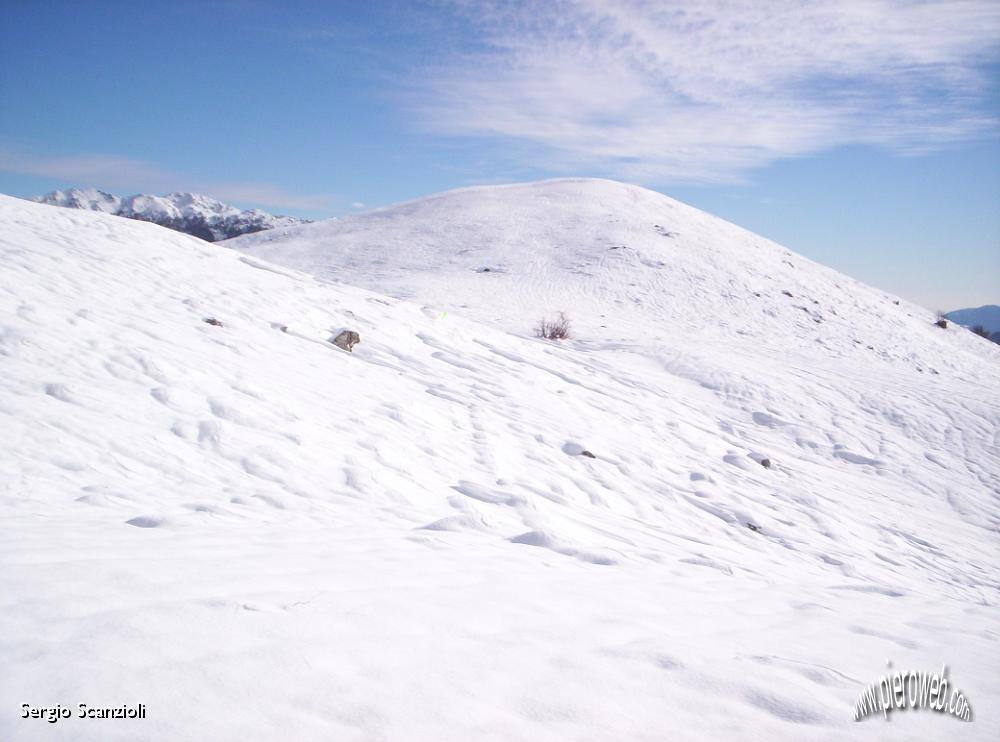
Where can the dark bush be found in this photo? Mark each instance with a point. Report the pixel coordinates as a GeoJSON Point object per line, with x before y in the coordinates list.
{"type": "Point", "coordinates": [557, 329]}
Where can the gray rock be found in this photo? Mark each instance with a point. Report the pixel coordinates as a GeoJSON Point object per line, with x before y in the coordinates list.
{"type": "Point", "coordinates": [347, 339]}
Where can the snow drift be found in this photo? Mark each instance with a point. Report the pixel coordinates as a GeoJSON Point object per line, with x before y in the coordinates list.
{"type": "Point", "coordinates": [258, 535]}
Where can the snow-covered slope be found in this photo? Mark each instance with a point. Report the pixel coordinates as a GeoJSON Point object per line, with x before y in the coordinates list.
{"type": "Point", "coordinates": [626, 264]}
{"type": "Point", "coordinates": [190, 213]}
{"type": "Point", "coordinates": [260, 536]}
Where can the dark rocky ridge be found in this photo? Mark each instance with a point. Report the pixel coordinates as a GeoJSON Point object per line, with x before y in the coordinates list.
{"type": "Point", "coordinates": [190, 213]}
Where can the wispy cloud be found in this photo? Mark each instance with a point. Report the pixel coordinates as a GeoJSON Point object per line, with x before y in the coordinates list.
{"type": "Point", "coordinates": [265, 195]}
{"type": "Point", "coordinates": [123, 174]}
{"type": "Point", "coordinates": [705, 90]}
{"type": "Point", "coordinates": [107, 171]}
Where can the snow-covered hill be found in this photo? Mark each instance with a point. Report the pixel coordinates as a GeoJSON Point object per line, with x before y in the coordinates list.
{"type": "Point", "coordinates": [626, 264]}
{"type": "Point", "coordinates": [190, 213]}
{"type": "Point", "coordinates": [260, 536]}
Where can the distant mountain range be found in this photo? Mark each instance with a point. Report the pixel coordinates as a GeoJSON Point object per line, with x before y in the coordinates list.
{"type": "Point", "coordinates": [987, 317]}
{"type": "Point", "coordinates": [190, 213]}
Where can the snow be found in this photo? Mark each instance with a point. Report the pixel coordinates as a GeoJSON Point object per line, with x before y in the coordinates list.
{"type": "Point", "coordinates": [178, 205]}
{"type": "Point", "coordinates": [258, 535]}
{"type": "Point", "coordinates": [83, 198]}
{"type": "Point", "coordinates": [626, 264]}
{"type": "Point", "coordinates": [186, 212]}
{"type": "Point", "coordinates": [187, 206]}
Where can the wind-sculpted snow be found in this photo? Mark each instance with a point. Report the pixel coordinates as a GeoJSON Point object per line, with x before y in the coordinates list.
{"type": "Point", "coordinates": [260, 536]}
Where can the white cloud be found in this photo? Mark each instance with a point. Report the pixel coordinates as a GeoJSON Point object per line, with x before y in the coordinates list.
{"type": "Point", "coordinates": [123, 174]}
{"type": "Point", "coordinates": [271, 196]}
{"type": "Point", "coordinates": [707, 89]}
{"type": "Point", "coordinates": [108, 171]}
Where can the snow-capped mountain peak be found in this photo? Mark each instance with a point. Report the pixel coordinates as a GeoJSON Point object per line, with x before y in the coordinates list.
{"type": "Point", "coordinates": [91, 199]}
{"type": "Point", "coordinates": [191, 213]}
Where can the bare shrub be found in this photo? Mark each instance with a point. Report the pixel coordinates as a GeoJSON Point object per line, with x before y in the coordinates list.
{"type": "Point", "coordinates": [556, 329]}
{"type": "Point", "coordinates": [982, 331]}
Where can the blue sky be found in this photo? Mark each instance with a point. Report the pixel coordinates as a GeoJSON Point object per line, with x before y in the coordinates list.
{"type": "Point", "coordinates": [863, 134]}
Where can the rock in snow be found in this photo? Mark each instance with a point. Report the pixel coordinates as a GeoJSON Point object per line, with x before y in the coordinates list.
{"type": "Point", "coordinates": [257, 538]}
{"type": "Point", "coordinates": [346, 339]}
